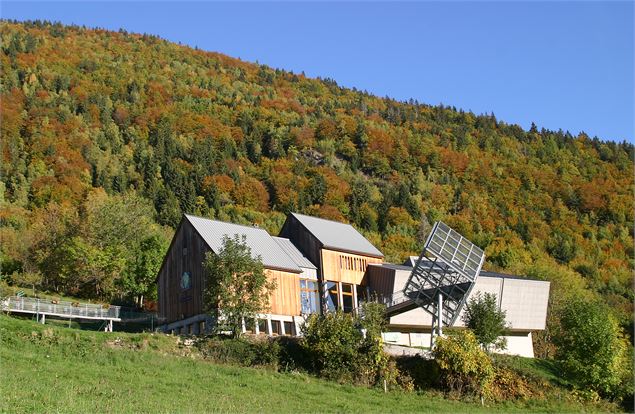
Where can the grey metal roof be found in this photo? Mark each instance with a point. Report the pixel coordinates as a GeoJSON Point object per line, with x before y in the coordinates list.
{"type": "Point", "coordinates": [258, 240]}
{"type": "Point", "coordinates": [392, 266]}
{"type": "Point", "coordinates": [338, 236]}
{"type": "Point", "coordinates": [294, 253]}
{"type": "Point", "coordinates": [507, 276]}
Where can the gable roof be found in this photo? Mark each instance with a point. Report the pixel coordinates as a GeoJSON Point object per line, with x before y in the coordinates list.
{"type": "Point", "coordinates": [258, 240]}
{"type": "Point", "coordinates": [293, 252]}
{"type": "Point", "coordinates": [338, 236]}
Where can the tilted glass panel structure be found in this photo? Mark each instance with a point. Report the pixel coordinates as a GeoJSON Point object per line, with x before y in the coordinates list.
{"type": "Point", "coordinates": [448, 265]}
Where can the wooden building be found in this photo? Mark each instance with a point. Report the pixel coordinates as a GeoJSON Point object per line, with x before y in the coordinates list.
{"type": "Point", "coordinates": [340, 253]}
{"type": "Point", "coordinates": [181, 279]}
{"type": "Point", "coordinates": [318, 265]}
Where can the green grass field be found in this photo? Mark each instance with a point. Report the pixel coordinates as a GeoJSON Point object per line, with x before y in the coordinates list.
{"type": "Point", "coordinates": [57, 369]}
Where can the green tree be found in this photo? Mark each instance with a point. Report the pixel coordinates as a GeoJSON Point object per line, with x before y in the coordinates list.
{"type": "Point", "coordinates": [486, 320]}
{"type": "Point", "coordinates": [373, 318]}
{"type": "Point", "coordinates": [592, 348]}
{"type": "Point", "coordinates": [237, 287]}
{"type": "Point", "coordinates": [143, 268]}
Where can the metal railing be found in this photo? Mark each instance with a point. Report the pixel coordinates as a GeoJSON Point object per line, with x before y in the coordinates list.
{"type": "Point", "coordinates": [63, 308]}
{"type": "Point", "coordinates": [395, 299]}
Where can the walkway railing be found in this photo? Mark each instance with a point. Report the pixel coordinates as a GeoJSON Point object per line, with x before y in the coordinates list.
{"type": "Point", "coordinates": [62, 308]}
{"type": "Point", "coordinates": [395, 299]}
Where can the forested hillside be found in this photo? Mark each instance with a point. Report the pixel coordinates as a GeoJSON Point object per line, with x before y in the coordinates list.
{"type": "Point", "coordinates": [108, 137]}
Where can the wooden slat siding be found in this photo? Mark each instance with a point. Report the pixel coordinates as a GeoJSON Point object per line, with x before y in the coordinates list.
{"type": "Point", "coordinates": [335, 265]}
{"type": "Point", "coordinates": [285, 300]}
{"type": "Point", "coordinates": [175, 303]}
{"type": "Point", "coordinates": [302, 239]}
{"type": "Point", "coordinates": [381, 280]}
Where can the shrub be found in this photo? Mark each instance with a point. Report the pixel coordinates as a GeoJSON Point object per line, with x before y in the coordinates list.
{"type": "Point", "coordinates": [509, 385]}
{"type": "Point", "coordinates": [338, 351]}
{"type": "Point", "coordinates": [293, 356]}
{"type": "Point", "coordinates": [592, 349]}
{"type": "Point", "coordinates": [244, 351]}
{"type": "Point", "coordinates": [373, 318]}
{"type": "Point", "coordinates": [464, 367]}
{"type": "Point", "coordinates": [423, 372]}
{"type": "Point", "coordinates": [332, 341]}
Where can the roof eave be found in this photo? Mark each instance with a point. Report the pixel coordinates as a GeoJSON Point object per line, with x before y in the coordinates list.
{"type": "Point", "coordinates": [282, 269]}
{"type": "Point", "coordinates": [359, 253]}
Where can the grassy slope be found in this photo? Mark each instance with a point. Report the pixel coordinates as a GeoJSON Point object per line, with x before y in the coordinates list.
{"type": "Point", "coordinates": [58, 369]}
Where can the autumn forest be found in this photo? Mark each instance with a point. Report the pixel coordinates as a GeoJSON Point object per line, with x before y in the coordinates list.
{"type": "Point", "coordinates": [109, 137]}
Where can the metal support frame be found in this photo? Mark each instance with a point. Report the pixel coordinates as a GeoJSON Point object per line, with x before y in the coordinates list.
{"type": "Point", "coordinates": [444, 275]}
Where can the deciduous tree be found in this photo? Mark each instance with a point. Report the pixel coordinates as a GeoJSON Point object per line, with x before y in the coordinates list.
{"type": "Point", "coordinates": [237, 287]}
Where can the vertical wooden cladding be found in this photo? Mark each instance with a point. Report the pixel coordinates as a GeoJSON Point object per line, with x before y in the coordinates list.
{"type": "Point", "coordinates": [302, 239]}
{"type": "Point", "coordinates": [345, 267]}
{"type": "Point", "coordinates": [285, 299]}
{"type": "Point", "coordinates": [186, 254]}
{"type": "Point", "coordinates": [381, 280]}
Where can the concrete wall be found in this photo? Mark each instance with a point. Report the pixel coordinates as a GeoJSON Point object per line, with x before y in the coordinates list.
{"type": "Point", "coordinates": [523, 300]}
{"type": "Point", "coordinates": [519, 344]}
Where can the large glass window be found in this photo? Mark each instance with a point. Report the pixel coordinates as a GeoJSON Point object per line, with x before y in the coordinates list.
{"type": "Point", "coordinates": [332, 297]}
{"type": "Point", "coordinates": [309, 296]}
{"type": "Point", "coordinates": [347, 297]}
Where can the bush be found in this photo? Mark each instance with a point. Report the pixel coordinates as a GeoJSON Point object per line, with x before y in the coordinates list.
{"type": "Point", "coordinates": [592, 349]}
{"type": "Point", "coordinates": [509, 385]}
{"type": "Point", "coordinates": [338, 351]}
{"type": "Point", "coordinates": [424, 373]}
{"type": "Point", "coordinates": [464, 367]}
{"type": "Point", "coordinates": [293, 356]}
{"type": "Point", "coordinates": [246, 351]}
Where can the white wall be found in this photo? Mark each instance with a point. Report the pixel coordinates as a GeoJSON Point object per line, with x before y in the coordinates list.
{"type": "Point", "coordinates": [520, 344]}
{"type": "Point", "coordinates": [523, 300]}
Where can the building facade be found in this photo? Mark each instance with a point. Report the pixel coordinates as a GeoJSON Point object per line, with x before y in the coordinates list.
{"type": "Point", "coordinates": [339, 252]}
{"type": "Point", "coordinates": [523, 300]}
{"type": "Point", "coordinates": [321, 266]}
{"type": "Point", "coordinates": [181, 279]}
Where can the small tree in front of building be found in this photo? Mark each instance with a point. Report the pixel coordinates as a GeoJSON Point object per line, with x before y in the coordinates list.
{"type": "Point", "coordinates": [237, 287]}
{"type": "Point", "coordinates": [483, 317]}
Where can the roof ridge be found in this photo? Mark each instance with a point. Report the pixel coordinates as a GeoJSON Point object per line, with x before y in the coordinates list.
{"type": "Point", "coordinates": [320, 218]}
{"type": "Point", "coordinates": [228, 222]}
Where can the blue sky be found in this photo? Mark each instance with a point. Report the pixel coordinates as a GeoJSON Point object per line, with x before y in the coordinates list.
{"type": "Point", "coordinates": [563, 65]}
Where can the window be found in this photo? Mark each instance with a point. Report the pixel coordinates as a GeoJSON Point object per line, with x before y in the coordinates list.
{"type": "Point", "coordinates": [288, 328]}
{"type": "Point", "coordinates": [250, 325]}
{"type": "Point", "coordinates": [332, 300]}
{"type": "Point", "coordinates": [262, 326]}
{"type": "Point", "coordinates": [309, 296]}
{"type": "Point", "coordinates": [201, 327]}
{"type": "Point", "coordinates": [186, 281]}
{"type": "Point", "coordinates": [276, 328]}
{"type": "Point", "coordinates": [347, 297]}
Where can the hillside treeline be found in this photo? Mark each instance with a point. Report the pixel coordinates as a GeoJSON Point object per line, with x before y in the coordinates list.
{"type": "Point", "coordinates": [108, 137]}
